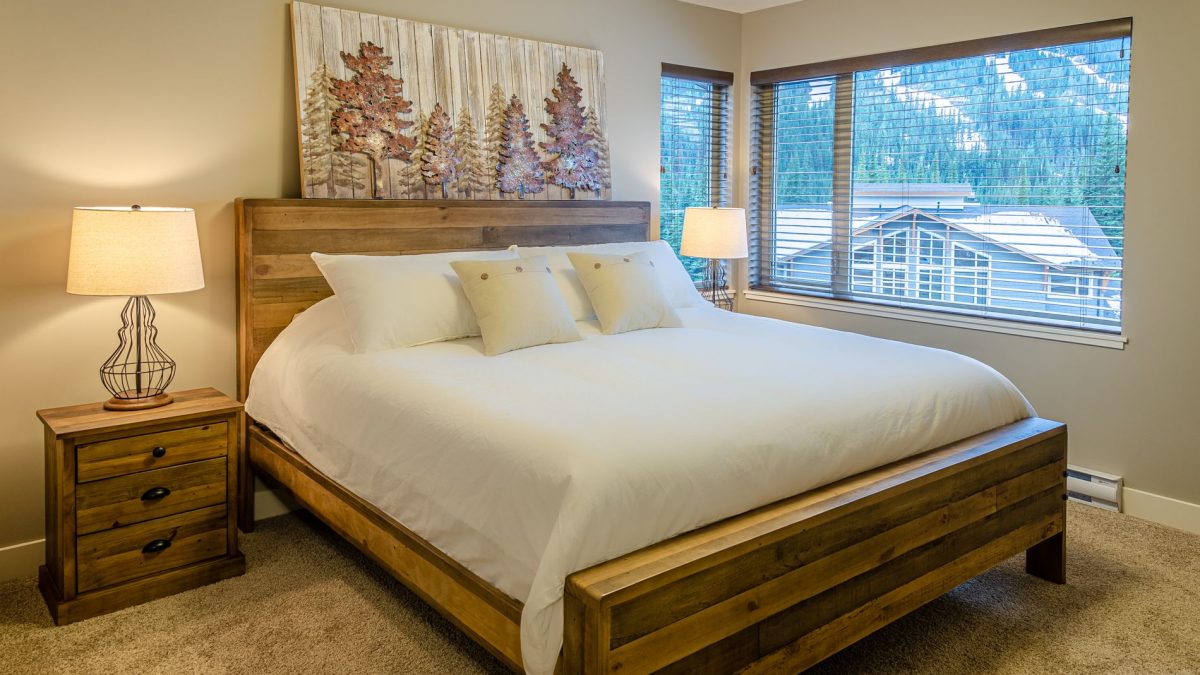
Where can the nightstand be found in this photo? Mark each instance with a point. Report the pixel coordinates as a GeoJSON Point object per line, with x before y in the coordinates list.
{"type": "Point", "coordinates": [139, 504]}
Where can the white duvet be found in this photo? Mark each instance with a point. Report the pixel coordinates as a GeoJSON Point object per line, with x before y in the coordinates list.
{"type": "Point", "coordinates": [533, 464]}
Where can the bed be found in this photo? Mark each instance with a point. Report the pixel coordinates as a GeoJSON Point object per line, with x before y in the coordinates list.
{"type": "Point", "coordinates": [757, 562]}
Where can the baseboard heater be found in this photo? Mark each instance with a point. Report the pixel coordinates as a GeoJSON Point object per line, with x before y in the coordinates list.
{"type": "Point", "coordinates": [1094, 487]}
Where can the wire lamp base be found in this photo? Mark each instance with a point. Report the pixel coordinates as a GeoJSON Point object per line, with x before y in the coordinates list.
{"type": "Point", "coordinates": [715, 291]}
{"type": "Point", "coordinates": [139, 371]}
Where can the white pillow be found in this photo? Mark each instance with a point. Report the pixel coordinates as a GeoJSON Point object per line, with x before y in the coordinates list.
{"type": "Point", "coordinates": [516, 303]}
{"type": "Point", "coordinates": [402, 300]}
{"type": "Point", "coordinates": [676, 283]}
{"type": "Point", "coordinates": [625, 291]}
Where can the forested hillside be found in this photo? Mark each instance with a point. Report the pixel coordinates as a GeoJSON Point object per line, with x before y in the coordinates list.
{"type": "Point", "coordinates": [1034, 127]}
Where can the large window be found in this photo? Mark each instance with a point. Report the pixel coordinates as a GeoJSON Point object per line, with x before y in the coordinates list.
{"type": "Point", "coordinates": [983, 178]}
{"type": "Point", "coordinates": [693, 149]}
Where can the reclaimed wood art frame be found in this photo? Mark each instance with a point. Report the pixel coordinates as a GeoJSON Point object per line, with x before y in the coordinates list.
{"type": "Point", "coordinates": [773, 590]}
{"type": "Point", "coordinates": [394, 109]}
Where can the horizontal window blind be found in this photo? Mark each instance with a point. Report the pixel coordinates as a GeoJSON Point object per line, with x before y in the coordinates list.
{"type": "Point", "coordinates": [988, 184]}
{"type": "Point", "coordinates": [694, 149]}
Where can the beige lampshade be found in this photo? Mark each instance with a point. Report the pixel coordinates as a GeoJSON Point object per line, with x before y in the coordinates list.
{"type": "Point", "coordinates": [714, 233]}
{"type": "Point", "coordinates": [138, 250]}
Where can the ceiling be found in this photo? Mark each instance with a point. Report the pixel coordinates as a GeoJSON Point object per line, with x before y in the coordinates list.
{"type": "Point", "coordinates": [740, 6]}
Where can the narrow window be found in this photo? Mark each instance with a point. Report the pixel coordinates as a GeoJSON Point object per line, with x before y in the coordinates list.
{"type": "Point", "coordinates": [693, 149]}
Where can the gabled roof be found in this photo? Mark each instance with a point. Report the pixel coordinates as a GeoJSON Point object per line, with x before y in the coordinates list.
{"type": "Point", "coordinates": [1060, 236]}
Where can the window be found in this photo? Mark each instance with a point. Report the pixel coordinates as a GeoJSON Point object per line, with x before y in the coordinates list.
{"type": "Point", "coordinates": [864, 267]}
{"type": "Point", "coordinates": [693, 149]}
{"type": "Point", "coordinates": [931, 265]}
{"type": "Point", "coordinates": [893, 263]}
{"type": "Point", "coordinates": [1067, 284]}
{"type": "Point", "coordinates": [971, 276]}
{"type": "Point", "coordinates": [983, 178]}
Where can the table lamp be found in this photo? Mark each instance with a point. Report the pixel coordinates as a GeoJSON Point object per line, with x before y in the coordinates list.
{"type": "Point", "coordinates": [716, 233]}
{"type": "Point", "coordinates": [136, 251]}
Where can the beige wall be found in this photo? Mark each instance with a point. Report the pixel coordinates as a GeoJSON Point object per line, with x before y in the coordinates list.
{"type": "Point", "coordinates": [1130, 412]}
{"type": "Point", "coordinates": [191, 104]}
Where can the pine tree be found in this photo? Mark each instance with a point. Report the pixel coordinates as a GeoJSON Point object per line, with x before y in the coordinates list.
{"type": "Point", "coordinates": [573, 165]}
{"type": "Point", "coordinates": [441, 158]}
{"type": "Point", "coordinates": [474, 168]}
{"type": "Point", "coordinates": [600, 145]}
{"type": "Point", "coordinates": [368, 118]}
{"type": "Point", "coordinates": [350, 174]}
{"type": "Point", "coordinates": [323, 165]}
{"type": "Point", "coordinates": [317, 134]}
{"type": "Point", "coordinates": [411, 176]}
{"type": "Point", "coordinates": [519, 171]}
{"type": "Point", "coordinates": [494, 132]}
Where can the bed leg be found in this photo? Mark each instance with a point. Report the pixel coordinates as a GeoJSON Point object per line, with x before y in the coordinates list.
{"type": "Point", "coordinates": [1048, 560]}
{"type": "Point", "coordinates": [245, 485]}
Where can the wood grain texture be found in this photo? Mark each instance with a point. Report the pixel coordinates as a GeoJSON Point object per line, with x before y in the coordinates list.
{"type": "Point", "coordinates": [480, 610]}
{"type": "Point", "coordinates": [752, 591]}
{"type": "Point", "coordinates": [117, 502]}
{"type": "Point", "coordinates": [129, 454]}
{"type": "Point", "coordinates": [137, 591]}
{"type": "Point", "coordinates": [100, 463]}
{"type": "Point", "coordinates": [727, 596]}
{"type": "Point", "coordinates": [113, 556]}
{"type": "Point", "coordinates": [453, 68]}
{"type": "Point", "coordinates": [275, 237]}
{"type": "Point", "coordinates": [93, 419]}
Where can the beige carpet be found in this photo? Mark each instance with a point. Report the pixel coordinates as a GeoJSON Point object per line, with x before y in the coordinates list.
{"type": "Point", "coordinates": [309, 603]}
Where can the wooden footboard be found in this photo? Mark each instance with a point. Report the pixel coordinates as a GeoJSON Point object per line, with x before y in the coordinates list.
{"type": "Point", "coordinates": [776, 589]}
{"type": "Point", "coordinates": [779, 589]}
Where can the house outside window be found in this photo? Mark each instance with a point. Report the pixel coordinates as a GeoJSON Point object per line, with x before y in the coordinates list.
{"type": "Point", "coordinates": [989, 184]}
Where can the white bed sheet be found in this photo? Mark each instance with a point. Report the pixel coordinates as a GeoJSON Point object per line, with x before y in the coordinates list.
{"type": "Point", "coordinates": [530, 465]}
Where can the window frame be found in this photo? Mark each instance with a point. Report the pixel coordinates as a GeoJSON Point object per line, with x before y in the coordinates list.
{"type": "Point", "coordinates": [720, 185]}
{"type": "Point", "coordinates": [841, 73]}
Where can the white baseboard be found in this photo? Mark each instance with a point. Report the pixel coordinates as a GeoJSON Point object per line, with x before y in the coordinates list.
{"type": "Point", "coordinates": [1165, 510]}
{"type": "Point", "coordinates": [22, 560]}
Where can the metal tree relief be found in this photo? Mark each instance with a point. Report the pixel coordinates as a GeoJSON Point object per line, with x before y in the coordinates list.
{"type": "Point", "coordinates": [368, 119]}
{"type": "Point", "coordinates": [396, 109]}
{"type": "Point", "coordinates": [325, 169]}
{"type": "Point", "coordinates": [441, 158]}
{"type": "Point", "coordinates": [600, 143]}
{"type": "Point", "coordinates": [411, 178]}
{"type": "Point", "coordinates": [494, 133]}
{"type": "Point", "coordinates": [573, 164]}
{"type": "Point", "coordinates": [474, 169]}
{"type": "Point", "coordinates": [520, 169]}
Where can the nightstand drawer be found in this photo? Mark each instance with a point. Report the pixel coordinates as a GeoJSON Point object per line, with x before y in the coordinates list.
{"type": "Point", "coordinates": [113, 556]}
{"type": "Point", "coordinates": [121, 456]}
{"type": "Point", "coordinates": [125, 500]}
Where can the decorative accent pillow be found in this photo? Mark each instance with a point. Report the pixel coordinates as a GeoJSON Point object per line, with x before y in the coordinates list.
{"type": "Point", "coordinates": [676, 283]}
{"type": "Point", "coordinates": [625, 291]}
{"type": "Point", "coordinates": [402, 300]}
{"type": "Point", "coordinates": [516, 303]}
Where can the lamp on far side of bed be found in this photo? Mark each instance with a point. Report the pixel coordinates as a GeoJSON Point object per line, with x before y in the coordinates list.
{"type": "Point", "coordinates": [719, 234]}
{"type": "Point", "coordinates": [135, 251]}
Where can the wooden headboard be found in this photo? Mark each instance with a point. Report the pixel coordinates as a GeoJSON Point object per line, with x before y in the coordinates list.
{"type": "Point", "coordinates": [277, 278]}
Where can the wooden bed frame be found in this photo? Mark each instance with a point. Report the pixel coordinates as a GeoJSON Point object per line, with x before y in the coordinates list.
{"type": "Point", "coordinates": [773, 590]}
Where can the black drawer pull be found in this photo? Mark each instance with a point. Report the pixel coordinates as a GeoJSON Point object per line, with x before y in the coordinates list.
{"type": "Point", "coordinates": [159, 451]}
{"type": "Point", "coordinates": [156, 546]}
{"type": "Point", "coordinates": [155, 493]}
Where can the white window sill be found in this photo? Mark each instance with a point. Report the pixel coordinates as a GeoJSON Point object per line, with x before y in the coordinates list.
{"type": "Point", "coordinates": [1073, 335]}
